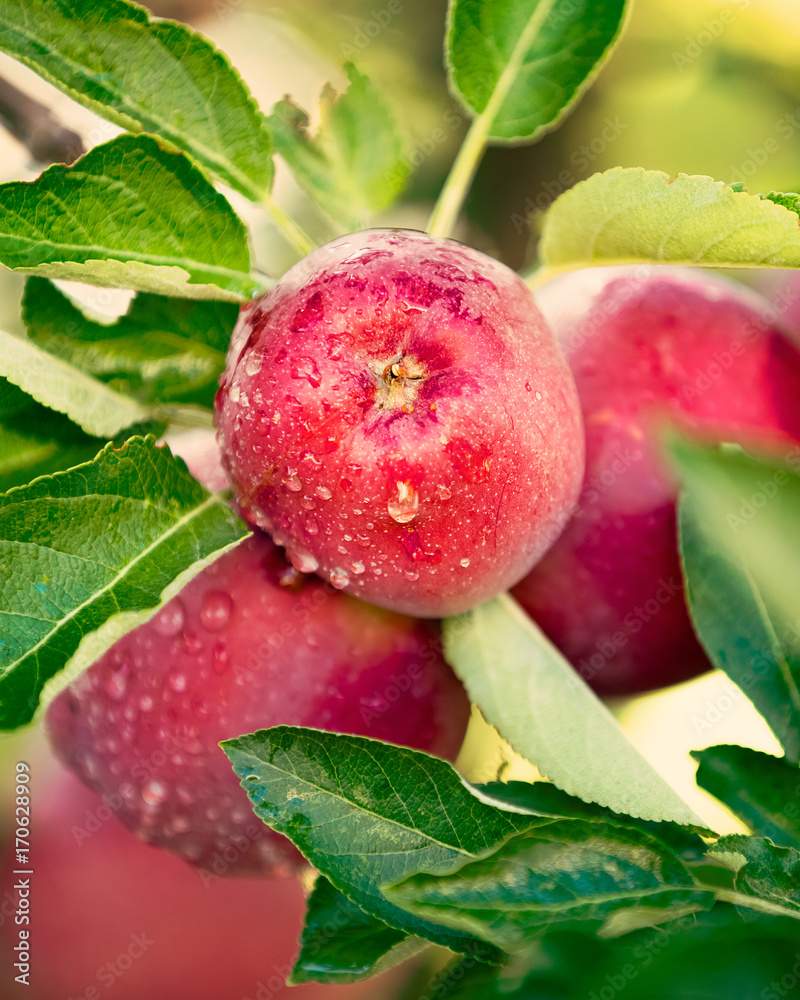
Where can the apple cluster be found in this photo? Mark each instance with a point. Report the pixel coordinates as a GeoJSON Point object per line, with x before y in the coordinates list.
{"type": "Point", "coordinates": [409, 436]}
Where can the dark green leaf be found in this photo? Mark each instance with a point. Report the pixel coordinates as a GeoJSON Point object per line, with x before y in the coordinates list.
{"type": "Point", "coordinates": [163, 351]}
{"type": "Point", "coordinates": [355, 164]}
{"type": "Point", "coordinates": [343, 944]}
{"type": "Point", "coordinates": [524, 63]}
{"type": "Point", "coordinates": [767, 877]}
{"type": "Point", "coordinates": [131, 215]}
{"type": "Point", "coordinates": [146, 76]}
{"type": "Point", "coordinates": [88, 554]}
{"type": "Point", "coordinates": [558, 875]}
{"type": "Point", "coordinates": [762, 790]}
{"type": "Point", "coordinates": [367, 814]}
{"type": "Point", "coordinates": [740, 519]}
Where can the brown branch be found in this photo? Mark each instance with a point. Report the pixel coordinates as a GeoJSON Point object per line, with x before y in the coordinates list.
{"type": "Point", "coordinates": [37, 128]}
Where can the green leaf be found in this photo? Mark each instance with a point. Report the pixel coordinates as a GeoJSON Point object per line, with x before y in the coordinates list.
{"type": "Point", "coordinates": [540, 798]}
{"type": "Point", "coordinates": [146, 76]}
{"type": "Point", "coordinates": [128, 214]}
{"type": "Point", "coordinates": [630, 214]}
{"type": "Point", "coordinates": [767, 877]}
{"type": "Point", "coordinates": [762, 790]}
{"type": "Point", "coordinates": [343, 944]}
{"type": "Point", "coordinates": [739, 519]}
{"type": "Point", "coordinates": [88, 554]}
{"type": "Point", "coordinates": [525, 63]}
{"type": "Point", "coordinates": [163, 351]}
{"type": "Point", "coordinates": [553, 719]}
{"type": "Point", "coordinates": [557, 876]}
{"type": "Point", "coordinates": [35, 440]}
{"type": "Point", "coordinates": [366, 814]}
{"type": "Point", "coordinates": [355, 164]}
{"type": "Point", "coordinates": [94, 407]}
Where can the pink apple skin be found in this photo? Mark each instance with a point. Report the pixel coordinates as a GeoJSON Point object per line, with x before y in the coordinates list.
{"type": "Point", "coordinates": [248, 644]}
{"type": "Point", "coordinates": [649, 346]}
{"type": "Point", "coordinates": [396, 413]}
{"type": "Point", "coordinates": [114, 918]}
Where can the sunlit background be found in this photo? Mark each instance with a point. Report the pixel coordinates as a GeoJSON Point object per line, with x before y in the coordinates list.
{"type": "Point", "coordinates": [696, 86]}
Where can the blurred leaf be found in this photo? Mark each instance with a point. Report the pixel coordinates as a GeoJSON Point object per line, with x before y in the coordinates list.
{"type": "Point", "coordinates": [128, 215]}
{"type": "Point", "coordinates": [524, 63]}
{"type": "Point", "coordinates": [35, 440]}
{"type": "Point", "coordinates": [164, 350]}
{"type": "Point", "coordinates": [88, 554]}
{"type": "Point", "coordinates": [367, 814]}
{"type": "Point", "coordinates": [739, 521]}
{"type": "Point", "coordinates": [343, 944]}
{"type": "Point", "coordinates": [94, 407]}
{"type": "Point", "coordinates": [146, 76]}
{"type": "Point", "coordinates": [553, 719]}
{"type": "Point", "coordinates": [355, 164]}
{"type": "Point", "coordinates": [767, 877]}
{"type": "Point", "coordinates": [631, 214]}
{"type": "Point", "coordinates": [762, 790]}
{"type": "Point", "coordinates": [559, 875]}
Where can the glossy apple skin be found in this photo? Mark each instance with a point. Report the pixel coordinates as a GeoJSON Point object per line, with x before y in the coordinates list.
{"type": "Point", "coordinates": [396, 413]}
{"type": "Point", "coordinates": [248, 644]}
{"type": "Point", "coordinates": [112, 917]}
{"type": "Point", "coordinates": [649, 346]}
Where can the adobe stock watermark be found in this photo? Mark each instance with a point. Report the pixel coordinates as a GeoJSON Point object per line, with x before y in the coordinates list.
{"type": "Point", "coordinates": [368, 30]}
{"type": "Point", "coordinates": [786, 986]}
{"type": "Point", "coordinates": [711, 29]}
{"type": "Point", "coordinates": [111, 971]}
{"type": "Point", "coordinates": [766, 490]}
{"type": "Point", "coordinates": [756, 156]}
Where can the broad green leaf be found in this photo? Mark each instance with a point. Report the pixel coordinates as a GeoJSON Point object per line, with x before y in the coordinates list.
{"type": "Point", "coordinates": [128, 214]}
{"type": "Point", "coordinates": [555, 876]}
{"type": "Point", "coordinates": [367, 814]}
{"type": "Point", "coordinates": [343, 944]}
{"type": "Point", "coordinates": [630, 214]}
{"type": "Point", "coordinates": [739, 526]}
{"type": "Point", "coordinates": [35, 440]}
{"type": "Point", "coordinates": [88, 554]}
{"type": "Point", "coordinates": [355, 164]}
{"type": "Point", "coordinates": [96, 409]}
{"type": "Point", "coordinates": [540, 798]}
{"type": "Point", "coordinates": [163, 351]}
{"type": "Point", "coordinates": [553, 719]}
{"type": "Point", "coordinates": [767, 877]}
{"type": "Point", "coordinates": [762, 790]}
{"type": "Point", "coordinates": [524, 63]}
{"type": "Point", "coordinates": [146, 75]}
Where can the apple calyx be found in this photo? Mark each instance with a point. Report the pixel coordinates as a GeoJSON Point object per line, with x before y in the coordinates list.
{"type": "Point", "coordinates": [398, 383]}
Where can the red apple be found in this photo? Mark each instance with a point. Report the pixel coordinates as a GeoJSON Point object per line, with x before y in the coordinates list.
{"type": "Point", "coordinates": [649, 346]}
{"type": "Point", "coordinates": [248, 644]}
{"type": "Point", "coordinates": [396, 413]}
{"type": "Point", "coordinates": [112, 917]}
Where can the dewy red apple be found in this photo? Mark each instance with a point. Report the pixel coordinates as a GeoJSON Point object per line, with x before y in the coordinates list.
{"type": "Point", "coordinates": [396, 413]}
{"type": "Point", "coordinates": [246, 645]}
{"type": "Point", "coordinates": [649, 346]}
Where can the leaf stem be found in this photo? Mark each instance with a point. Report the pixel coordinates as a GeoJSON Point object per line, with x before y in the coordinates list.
{"type": "Point", "coordinates": [299, 239]}
{"type": "Point", "coordinates": [751, 902]}
{"type": "Point", "coordinates": [454, 191]}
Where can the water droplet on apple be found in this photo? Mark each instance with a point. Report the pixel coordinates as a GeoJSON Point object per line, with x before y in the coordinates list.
{"type": "Point", "coordinates": [465, 563]}
{"type": "Point", "coordinates": [443, 493]}
{"type": "Point", "coordinates": [358, 568]}
{"type": "Point", "coordinates": [528, 387]}
{"type": "Point", "coordinates": [364, 541]}
{"type": "Point", "coordinates": [219, 658]}
{"type": "Point", "coordinates": [411, 574]}
{"type": "Point", "coordinates": [308, 503]}
{"type": "Point", "coordinates": [538, 395]}
{"type": "Point", "coordinates": [312, 528]}
{"type": "Point", "coordinates": [154, 792]}
{"type": "Point", "coordinates": [177, 682]}
{"type": "Point", "coordinates": [169, 621]}
{"type": "Point", "coordinates": [215, 611]}
{"type": "Point", "coordinates": [146, 703]}
{"type": "Point", "coordinates": [404, 506]}
{"type": "Point", "coordinates": [292, 481]}
{"type": "Point", "coordinates": [306, 368]}
{"type": "Point", "coordinates": [253, 364]}
{"type": "Point", "coordinates": [339, 578]}
{"type": "Point", "coordinates": [323, 493]}
{"type": "Point", "coordinates": [191, 642]}
{"type": "Point", "coordinates": [303, 561]}
{"type": "Point", "coordinates": [116, 684]}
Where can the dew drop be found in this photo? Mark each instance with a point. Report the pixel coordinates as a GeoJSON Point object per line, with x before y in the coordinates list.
{"type": "Point", "coordinates": [177, 682]}
{"type": "Point", "coordinates": [411, 574]}
{"type": "Point", "coordinates": [215, 611]}
{"type": "Point", "coordinates": [339, 578]}
{"type": "Point", "coordinates": [219, 658]}
{"type": "Point", "coordinates": [154, 792]}
{"type": "Point", "coordinates": [358, 568]}
{"type": "Point", "coordinates": [116, 684]}
{"type": "Point", "coordinates": [323, 492]}
{"type": "Point", "coordinates": [292, 481]}
{"type": "Point", "coordinates": [304, 562]}
{"type": "Point", "coordinates": [465, 563]}
{"type": "Point", "coordinates": [342, 550]}
{"type": "Point", "coordinates": [306, 368]}
{"type": "Point", "coordinates": [181, 824]}
{"type": "Point", "coordinates": [331, 444]}
{"type": "Point", "coordinates": [346, 485]}
{"type": "Point", "coordinates": [308, 503]}
{"type": "Point", "coordinates": [443, 493]}
{"type": "Point", "coordinates": [312, 527]}
{"type": "Point", "coordinates": [538, 395]}
{"type": "Point", "coordinates": [404, 507]}
{"type": "Point", "coordinates": [528, 387]}
{"type": "Point", "coordinates": [364, 541]}
{"type": "Point", "coordinates": [253, 364]}
{"type": "Point", "coordinates": [169, 621]}
{"type": "Point", "coordinates": [191, 643]}
{"type": "Point", "coordinates": [146, 703]}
